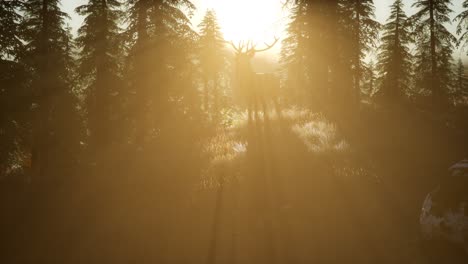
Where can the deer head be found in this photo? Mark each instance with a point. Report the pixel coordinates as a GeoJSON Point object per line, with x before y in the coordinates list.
{"type": "Point", "coordinates": [244, 52]}
{"type": "Point", "coordinates": [250, 86]}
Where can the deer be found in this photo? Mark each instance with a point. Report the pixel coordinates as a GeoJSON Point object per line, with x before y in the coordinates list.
{"type": "Point", "coordinates": [254, 89]}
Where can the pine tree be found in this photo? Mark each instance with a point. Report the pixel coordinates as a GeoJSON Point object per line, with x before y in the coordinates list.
{"type": "Point", "coordinates": [462, 27]}
{"type": "Point", "coordinates": [138, 67]}
{"type": "Point", "coordinates": [212, 59]}
{"type": "Point", "coordinates": [310, 52]}
{"type": "Point", "coordinates": [10, 39]}
{"type": "Point", "coordinates": [436, 42]}
{"type": "Point", "coordinates": [159, 37]}
{"type": "Point", "coordinates": [370, 79]}
{"type": "Point", "coordinates": [360, 31]}
{"type": "Point", "coordinates": [15, 101]}
{"type": "Point", "coordinates": [175, 41]}
{"type": "Point", "coordinates": [317, 29]}
{"type": "Point", "coordinates": [99, 43]}
{"type": "Point", "coordinates": [294, 54]}
{"type": "Point", "coordinates": [334, 51]}
{"type": "Point", "coordinates": [12, 82]}
{"type": "Point", "coordinates": [48, 57]}
{"type": "Point", "coordinates": [394, 64]}
{"type": "Point", "coordinates": [460, 91]}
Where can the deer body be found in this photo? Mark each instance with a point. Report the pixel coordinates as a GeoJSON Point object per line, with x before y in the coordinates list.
{"type": "Point", "coordinates": [256, 90]}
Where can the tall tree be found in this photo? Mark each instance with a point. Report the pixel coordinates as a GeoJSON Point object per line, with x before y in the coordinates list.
{"type": "Point", "coordinates": [100, 46]}
{"type": "Point", "coordinates": [12, 80]}
{"type": "Point", "coordinates": [316, 43]}
{"type": "Point", "coordinates": [335, 65]}
{"type": "Point", "coordinates": [361, 31]}
{"type": "Point", "coordinates": [394, 57]}
{"type": "Point", "coordinates": [138, 64]}
{"type": "Point", "coordinates": [48, 57]}
{"type": "Point", "coordinates": [10, 19]}
{"type": "Point", "coordinates": [462, 27]}
{"type": "Point", "coordinates": [294, 54]}
{"type": "Point", "coordinates": [436, 42]}
{"type": "Point", "coordinates": [212, 59]}
{"type": "Point", "coordinates": [310, 52]}
{"type": "Point", "coordinates": [159, 37]}
{"type": "Point", "coordinates": [370, 79]}
{"type": "Point", "coordinates": [460, 91]}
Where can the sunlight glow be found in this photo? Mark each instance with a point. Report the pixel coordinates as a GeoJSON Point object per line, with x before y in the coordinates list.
{"type": "Point", "coordinates": [259, 20]}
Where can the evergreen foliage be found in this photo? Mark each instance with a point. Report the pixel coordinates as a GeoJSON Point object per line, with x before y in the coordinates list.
{"type": "Point", "coordinates": [100, 46]}
{"type": "Point", "coordinates": [294, 54]}
{"type": "Point", "coordinates": [359, 31]}
{"type": "Point", "coordinates": [394, 56]}
{"type": "Point", "coordinates": [159, 66]}
{"type": "Point", "coordinates": [434, 45]}
{"type": "Point", "coordinates": [370, 80]}
{"type": "Point", "coordinates": [10, 33]}
{"type": "Point", "coordinates": [462, 26]}
{"type": "Point", "coordinates": [14, 99]}
{"type": "Point", "coordinates": [460, 87]}
{"type": "Point", "coordinates": [48, 57]}
{"type": "Point", "coordinates": [325, 47]}
{"type": "Point", "coordinates": [310, 53]}
{"type": "Point", "coordinates": [212, 60]}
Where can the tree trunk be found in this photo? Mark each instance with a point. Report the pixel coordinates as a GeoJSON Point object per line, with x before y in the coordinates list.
{"type": "Point", "coordinates": [334, 57]}
{"type": "Point", "coordinates": [142, 71]}
{"type": "Point", "coordinates": [99, 123]}
{"type": "Point", "coordinates": [206, 100]}
{"type": "Point", "coordinates": [434, 80]}
{"type": "Point", "coordinates": [40, 149]}
{"type": "Point", "coordinates": [216, 104]}
{"type": "Point", "coordinates": [357, 80]}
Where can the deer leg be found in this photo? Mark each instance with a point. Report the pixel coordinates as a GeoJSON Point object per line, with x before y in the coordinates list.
{"type": "Point", "coordinates": [206, 102]}
{"type": "Point", "coordinates": [249, 111]}
{"type": "Point", "coordinates": [255, 108]}
{"type": "Point", "coordinates": [265, 110]}
{"type": "Point", "coordinates": [277, 107]}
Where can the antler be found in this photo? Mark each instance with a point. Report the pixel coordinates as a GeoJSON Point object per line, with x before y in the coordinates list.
{"type": "Point", "coordinates": [268, 46]}
{"type": "Point", "coordinates": [250, 46]}
{"type": "Point", "coordinates": [239, 48]}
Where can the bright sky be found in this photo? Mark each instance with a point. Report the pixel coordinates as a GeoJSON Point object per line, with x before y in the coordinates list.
{"type": "Point", "coordinates": [259, 20]}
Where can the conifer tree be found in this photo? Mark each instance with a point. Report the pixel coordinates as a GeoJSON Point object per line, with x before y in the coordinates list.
{"type": "Point", "coordinates": [360, 30]}
{"type": "Point", "coordinates": [310, 51]}
{"type": "Point", "coordinates": [10, 39]}
{"type": "Point", "coordinates": [370, 79]}
{"type": "Point", "coordinates": [317, 28]}
{"type": "Point", "coordinates": [462, 26]}
{"type": "Point", "coordinates": [394, 64]}
{"type": "Point", "coordinates": [158, 37]}
{"type": "Point", "coordinates": [100, 48]}
{"type": "Point", "coordinates": [212, 59]}
{"type": "Point", "coordinates": [434, 44]}
{"type": "Point", "coordinates": [460, 91]}
{"type": "Point", "coordinates": [12, 81]}
{"type": "Point", "coordinates": [48, 56]}
{"type": "Point", "coordinates": [294, 53]}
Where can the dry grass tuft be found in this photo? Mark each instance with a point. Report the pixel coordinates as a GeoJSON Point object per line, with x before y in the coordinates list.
{"type": "Point", "coordinates": [225, 156]}
{"type": "Point", "coordinates": [317, 133]}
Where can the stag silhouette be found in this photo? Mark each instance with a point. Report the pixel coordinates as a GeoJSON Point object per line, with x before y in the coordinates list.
{"type": "Point", "coordinates": [254, 89]}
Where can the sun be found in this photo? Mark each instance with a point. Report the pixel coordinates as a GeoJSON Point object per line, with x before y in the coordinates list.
{"type": "Point", "coordinates": [255, 20]}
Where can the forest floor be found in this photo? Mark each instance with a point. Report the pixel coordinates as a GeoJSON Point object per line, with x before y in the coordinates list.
{"type": "Point", "coordinates": [294, 189]}
{"type": "Point", "coordinates": [306, 194]}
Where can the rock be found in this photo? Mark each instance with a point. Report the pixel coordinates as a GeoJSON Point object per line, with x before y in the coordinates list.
{"type": "Point", "coordinates": [444, 213]}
